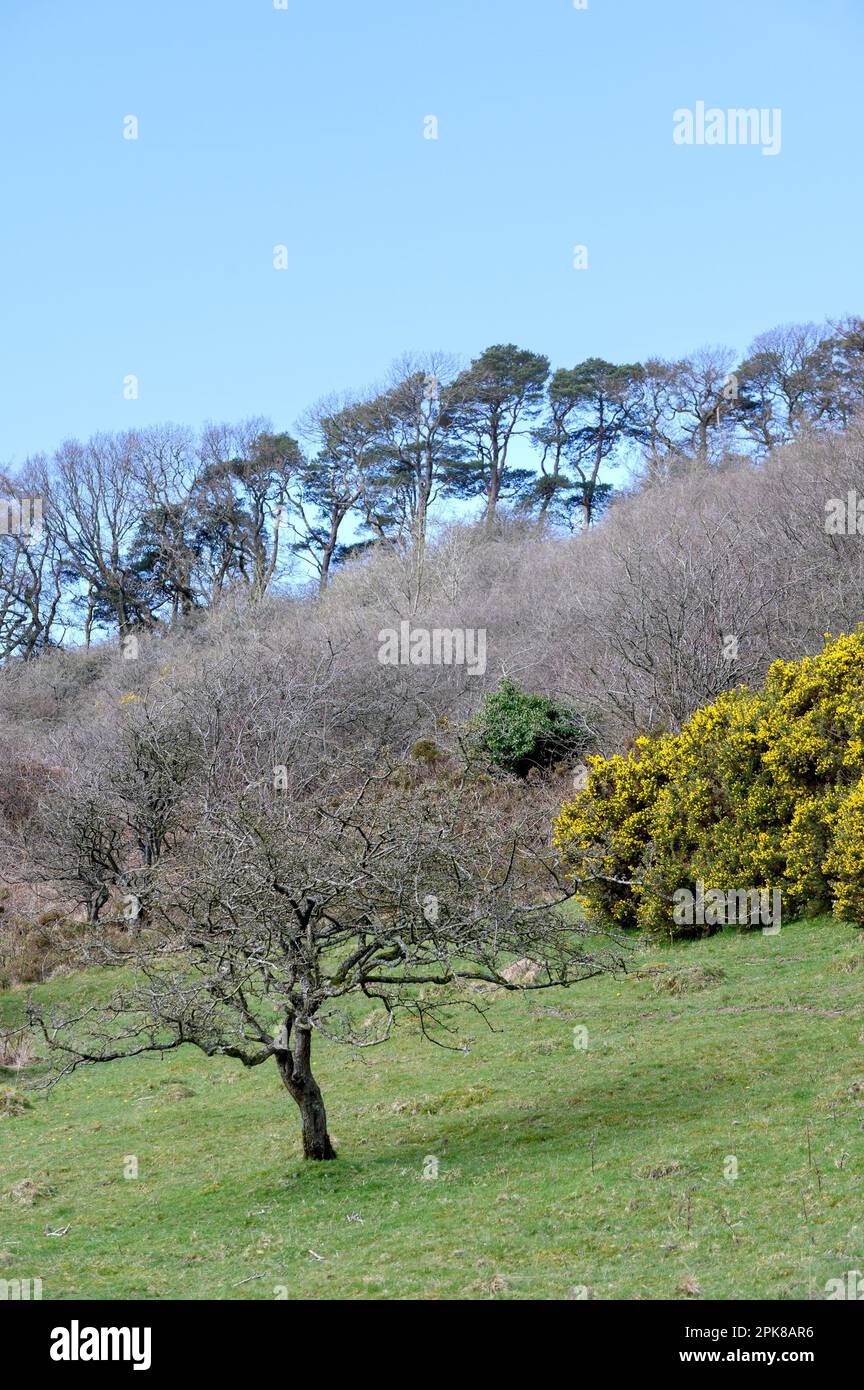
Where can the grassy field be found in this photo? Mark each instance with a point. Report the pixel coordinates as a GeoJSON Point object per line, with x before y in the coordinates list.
{"type": "Point", "coordinates": [608, 1169]}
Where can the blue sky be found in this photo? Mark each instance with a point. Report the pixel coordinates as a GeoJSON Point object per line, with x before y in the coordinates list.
{"type": "Point", "coordinates": [305, 127]}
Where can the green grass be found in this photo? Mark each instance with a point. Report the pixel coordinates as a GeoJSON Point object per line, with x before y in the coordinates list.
{"type": "Point", "coordinates": [767, 1052]}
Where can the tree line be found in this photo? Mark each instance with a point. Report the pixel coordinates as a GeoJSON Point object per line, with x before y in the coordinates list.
{"type": "Point", "coordinates": [144, 528]}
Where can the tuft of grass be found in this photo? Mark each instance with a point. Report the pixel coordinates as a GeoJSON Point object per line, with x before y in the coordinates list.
{"type": "Point", "coordinates": [686, 979]}
{"type": "Point", "coordinates": [707, 1138]}
{"type": "Point", "coordinates": [462, 1098]}
{"type": "Point", "coordinates": [847, 962]}
{"type": "Point", "coordinates": [669, 1169]}
{"type": "Point", "coordinates": [12, 1102]}
{"type": "Point", "coordinates": [29, 1191]}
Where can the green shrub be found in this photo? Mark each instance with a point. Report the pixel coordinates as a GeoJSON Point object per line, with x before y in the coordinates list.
{"type": "Point", "coordinates": [518, 731]}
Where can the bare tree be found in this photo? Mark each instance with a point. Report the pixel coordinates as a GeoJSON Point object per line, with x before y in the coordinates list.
{"type": "Point", "coordinates": [108, 809]}
{"type": "Point", "coordinates": [653, 412]}
{"type": "Point", "coordinates": [93, 508]}
{"type": "Point", "coordinates": [778, 384]}
{"type": "Point", "coordinates": [31, 566]}
{"type": "Point", "coordinates": [163, 463]}
{"type": "Point", "coordinates": [702, 394]}
{"type": "Point", "coordinates": [308, 881]}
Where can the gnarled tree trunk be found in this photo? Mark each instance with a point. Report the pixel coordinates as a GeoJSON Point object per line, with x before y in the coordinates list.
{"type": "Point", "coordinates": [296, 1072]}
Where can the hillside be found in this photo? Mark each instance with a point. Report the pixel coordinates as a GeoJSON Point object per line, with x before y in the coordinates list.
{"type": "Point", "coordinates": [558, 1167]}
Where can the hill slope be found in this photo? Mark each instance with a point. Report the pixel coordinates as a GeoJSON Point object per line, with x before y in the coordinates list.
{"type": "Point", "coordinates": [746, 1047]}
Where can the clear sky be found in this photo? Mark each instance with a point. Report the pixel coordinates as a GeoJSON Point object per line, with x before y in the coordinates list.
{"type": "Point", "coordinates": [304, 127]}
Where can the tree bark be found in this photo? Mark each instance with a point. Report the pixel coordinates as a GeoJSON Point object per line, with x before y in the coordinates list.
{"type": "Point", "coordinates": [296, 1072]}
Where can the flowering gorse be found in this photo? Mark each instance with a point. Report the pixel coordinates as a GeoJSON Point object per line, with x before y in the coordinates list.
{"type": "Point", "coordinates": [763, 789]}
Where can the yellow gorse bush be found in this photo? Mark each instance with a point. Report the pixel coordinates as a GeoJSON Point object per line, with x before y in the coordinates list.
{"type": "Point", "coordinates": [762, 789]}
